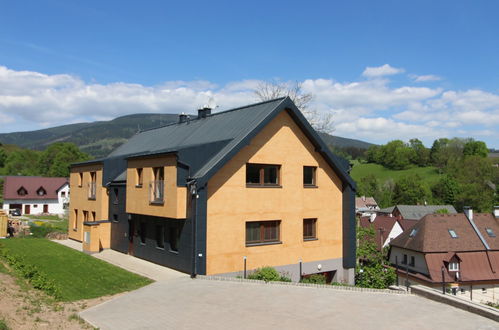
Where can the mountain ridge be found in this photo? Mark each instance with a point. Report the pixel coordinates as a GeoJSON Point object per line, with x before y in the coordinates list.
{"type": "Point", "coordinates": [99, 138]}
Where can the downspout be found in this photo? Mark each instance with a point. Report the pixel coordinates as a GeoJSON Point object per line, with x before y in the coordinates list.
{"type": "Point", "coordinates": [191, 185]}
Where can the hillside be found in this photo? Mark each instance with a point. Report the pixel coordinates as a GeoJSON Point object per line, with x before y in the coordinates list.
{"type": "Point", "coordinates": [101, 137]}
{"type": "Point", "coordinates": [429, 174]}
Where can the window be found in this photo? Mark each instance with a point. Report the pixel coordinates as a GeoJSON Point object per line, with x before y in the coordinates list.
{"type": "Point", "coordinates": [22, 191]}
{"type": "Point", "coordinates": [484, 290]}
{"type": "Point", "coordinates": [309, 176]}
{"type": "Point", "coordinates": [453, 233]}
{"type": "Point", "coordinates": [404, 260]}
{"type": "Point", "coordinates": [35, 206]}
{"type": "Point", "coordinates": [63, 194]}
{"type": "Point", "coordinates": [309, 229]}
{"type": "Point", "coordinates": [490, 232]}
{"type": "Point", "coordinates": [258, 232]}
{"type": "Point", "coordinates": [85, 216]}
{"type": "Point", "coordinates": [93, 216]}
{"type": "Point", "coordinates": [453, 266]}
{"type": "Point", "coordinates": [143, 232]}
{"type": "Point", "coordinates": [157, 186]}
{"type": "Point", "coordinates": [173, 236]}
{"type": "Point", "coordinates": [80, 179]}
{"type": "Point", "coordinates": [41, 192]}
{"type": "Point", "coordinates": [139, 178]}
{"type": "Point", "coordinates": [75, 223]}
{"type": "Point", "coordinates": [413, 261]}
{"type": "Point", "coordinates": [115, 190]}
{"type": "Point", "coordinates": [160, 237]}
{"type": "Point", "coordinates": [115, 218]}
{"type": "Point", "coordinates": [413, 233]}
{"type": "Point", "coordinates": [262, 175]}
{"type": "Point", "coordinates": [92, 185]}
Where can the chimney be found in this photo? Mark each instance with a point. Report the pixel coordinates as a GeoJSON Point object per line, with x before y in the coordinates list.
{"type": "Point", "coordinates": [182, 118]}
{"type": "Point", "coordinates": [204, 112]}
{"type": "Point", "coordinates": [469, 212]}
{"type": "Point", "coordinates": [496, 211]}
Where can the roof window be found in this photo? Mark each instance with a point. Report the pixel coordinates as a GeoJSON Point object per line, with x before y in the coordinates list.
{"type": "Point", "coordinates": [41, 191]}
{"type": "Point", "coordinates": [413, 233]}
{"type": "Point", "coordinates": [22, 191]}
{"type": "Point", "coordinates": [453, 233]}
{"type": "Point", "coordinates": [490, 232]}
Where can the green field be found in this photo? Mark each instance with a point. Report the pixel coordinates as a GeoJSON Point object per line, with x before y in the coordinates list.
{"type": "Point", "coordinates": [78, 276]}
{"type": "Point", "coordinates": [429, 174]}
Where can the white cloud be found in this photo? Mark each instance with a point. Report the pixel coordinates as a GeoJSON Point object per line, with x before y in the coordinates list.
{"type": "Point", "coordinates": [372, 110]}
{"type": "Point", "coordinates": [425, 78]}
{"type": "Point", "coordinates": [380, 71]}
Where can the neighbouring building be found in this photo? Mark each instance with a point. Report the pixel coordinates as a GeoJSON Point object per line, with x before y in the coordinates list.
{"type": "Point", "coordinates": [459, 251]}
{"type": "Point", "coordinates": [416, 212]}
{"type": "Point", "coordinates": [35, 194]}
{"type": "Point", "coordinates": [386, 227]}
{"type": "Point", "coordinates": [248, 187]}
{"type": "Point", "coordinates": [365, 206]}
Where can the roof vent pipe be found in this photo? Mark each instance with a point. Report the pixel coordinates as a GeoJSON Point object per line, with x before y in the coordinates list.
{"type": "Point", "coordinates": [182, 118]}
{"type": "Point", "coordinates": [469, 212]}
{"type": "Point", "coordinates": [496, 211]}
{"type": "Point", "coordinates": [204, 112]}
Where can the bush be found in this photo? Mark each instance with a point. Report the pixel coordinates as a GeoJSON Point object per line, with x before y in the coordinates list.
{"type": "Point", "coordinates": [3, 325]}
{"type": "Point", "coordinates": [314, 279]}
{"type": "Point", "coordinates": [31, 273]}
{"type": "Point", "coordinates": [268, 274]}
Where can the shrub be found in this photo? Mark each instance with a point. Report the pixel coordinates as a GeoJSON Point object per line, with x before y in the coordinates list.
{"type": "Point", "coordinates": [314, 279]}
{"type": "Point", "coordinates": [268, 274]}
{"type": "Point", "coordinates": [3, 325]}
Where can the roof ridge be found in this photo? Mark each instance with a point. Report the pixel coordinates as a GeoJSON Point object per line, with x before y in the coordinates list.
{"type": "Point", "coordinates": [216, 113]}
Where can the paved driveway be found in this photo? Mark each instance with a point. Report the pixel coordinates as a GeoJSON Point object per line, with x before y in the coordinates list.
{"type": "Point", "coordinates": [183, 303]}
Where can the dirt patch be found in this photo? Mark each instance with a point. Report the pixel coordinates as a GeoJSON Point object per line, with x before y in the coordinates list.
{"type": "Point", "coordinates": [57, 236]}
{"type": "Point", "coordinates": [22, 307]}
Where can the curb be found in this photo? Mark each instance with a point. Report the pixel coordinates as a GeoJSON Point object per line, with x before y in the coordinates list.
{"type": "Point", "coordinates": [309, 285]}
{"type": "Point", "coordinates": [471, 307]}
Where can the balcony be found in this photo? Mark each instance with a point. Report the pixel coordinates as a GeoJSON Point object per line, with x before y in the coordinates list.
{"type": "Point", "coordinates": [157, 192]}
{"type": "Point", "coordinates": [92, 189]}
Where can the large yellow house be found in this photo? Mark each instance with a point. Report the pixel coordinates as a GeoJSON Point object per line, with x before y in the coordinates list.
{"type": "Point", "coordinates": [216, 194]}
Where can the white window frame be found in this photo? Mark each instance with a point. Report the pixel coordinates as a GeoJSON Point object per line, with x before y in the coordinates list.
{"type": "Point", "coordinates": [453, 266]}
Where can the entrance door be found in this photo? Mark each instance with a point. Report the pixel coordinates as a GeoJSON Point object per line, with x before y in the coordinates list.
{"type": "Point", "coordinates": [130, 237]}
{"type": "Point", "coordinates": [45, 208]}
{"type": "Point", "coordinates": [26, 209]}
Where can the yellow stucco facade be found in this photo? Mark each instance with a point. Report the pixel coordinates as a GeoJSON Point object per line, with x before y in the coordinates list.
{"type": "Point", "coordinates": [231, 203]}
{"type": "Point", "coordinates": [138, 197]}
{"type": "Point", "coordinates": [84, 204]}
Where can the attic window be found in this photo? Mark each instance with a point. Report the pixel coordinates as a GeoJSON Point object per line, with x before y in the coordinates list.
{"type": "Point", "coordinates": [453, 266]}
{"type": "Point", "coordinates": [41, 192]}
{"type": "Point", "coordinates": [453, 233]}
{"type": "Point", "coordinates": [413, 233]}
{"type": "Point", "coordinates": [490, 232]}
{"type": "Point", "coordinates": [22, 191]}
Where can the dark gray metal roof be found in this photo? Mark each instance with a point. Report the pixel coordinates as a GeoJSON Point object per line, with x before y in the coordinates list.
{"type": "Point", "coordinates": [416, 212]}
{"type": "Point", "coordinates": [206, 144]}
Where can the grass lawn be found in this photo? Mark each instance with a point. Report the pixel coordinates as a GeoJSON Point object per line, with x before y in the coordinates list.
{"type": "Point", "coordinates": [79, 276]}
{"type": "Point", "coordinates": [429, 174]}
{"type": "Point", "coordinates": [43, 217]}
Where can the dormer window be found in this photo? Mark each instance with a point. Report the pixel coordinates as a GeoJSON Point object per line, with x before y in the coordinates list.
{"type": "Point", "coordinates": [22, 191]}
{"type": "Point", "coordinates": [453, 233]}
{"type": "Point", "coordinates": [453, 266]}
{"type": "Point", "coordinates": [41, 192]}
{"type": "Point", "coordinates": [413, 233]}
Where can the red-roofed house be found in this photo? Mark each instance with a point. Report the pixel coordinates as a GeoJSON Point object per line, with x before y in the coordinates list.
{"type": "Point", "coordinates": [35, 195]}
{"type": "Point", "coordinates": [387, 227]}
{"type": "Point", "coordinates": [462, 247]}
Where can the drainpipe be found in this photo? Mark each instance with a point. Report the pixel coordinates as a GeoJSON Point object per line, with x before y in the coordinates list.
{"type": "Point", "coordinates": [191, 186]}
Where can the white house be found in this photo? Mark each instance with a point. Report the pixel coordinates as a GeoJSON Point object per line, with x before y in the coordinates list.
{"type": "Point", "coordinates": [36, 195]}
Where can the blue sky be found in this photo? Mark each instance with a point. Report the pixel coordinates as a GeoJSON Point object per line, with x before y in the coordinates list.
{"type": "Point", "coordinates": [434, 65]}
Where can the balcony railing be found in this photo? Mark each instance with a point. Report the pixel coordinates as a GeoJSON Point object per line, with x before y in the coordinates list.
{"type": "Point", "coordinates": [92, 189]}
{"type": "Point", "coordinates": [157, 191]}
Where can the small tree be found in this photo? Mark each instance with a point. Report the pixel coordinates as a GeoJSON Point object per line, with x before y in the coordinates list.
{"type": "Point", "coordinates": [372, 270]}
{"type": "Point", "coordinates": [271, 90]}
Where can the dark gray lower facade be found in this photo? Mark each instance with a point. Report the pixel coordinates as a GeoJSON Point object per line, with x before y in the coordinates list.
{"type": "Point", "coordinates": [333, 268]}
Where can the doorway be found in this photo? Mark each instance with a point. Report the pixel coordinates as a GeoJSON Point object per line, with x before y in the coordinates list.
{"type": "Point", "coordinates": [45, 208]}
{"type": "Point", "coordinates": [27, 209]}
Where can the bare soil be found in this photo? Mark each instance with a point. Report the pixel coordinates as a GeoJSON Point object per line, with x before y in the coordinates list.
{"type": "Point", "coordinates": [23, 307]}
